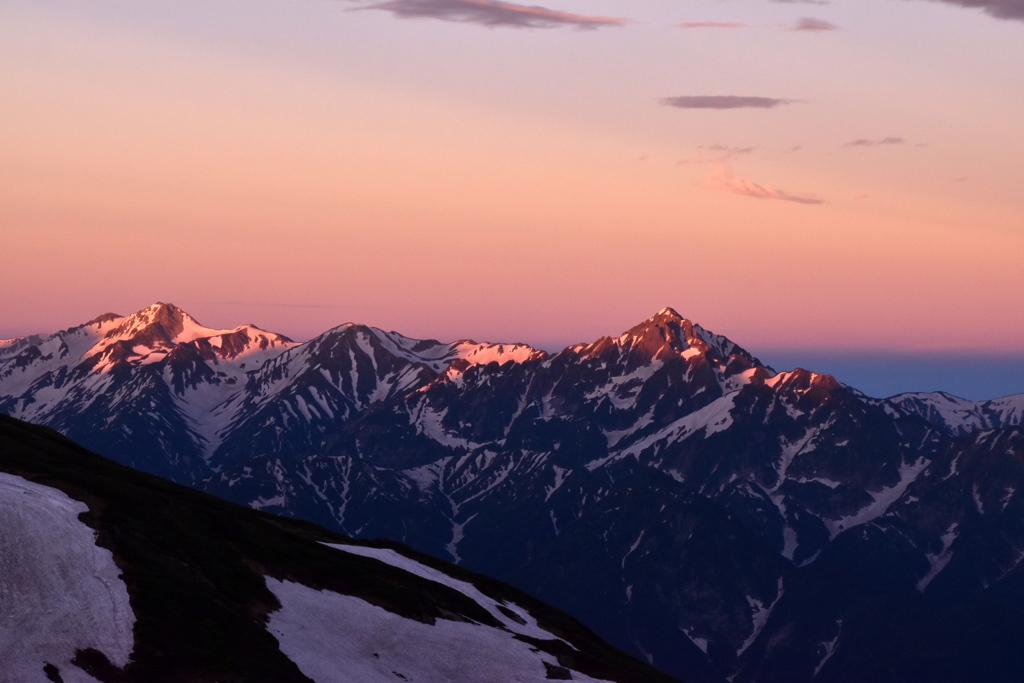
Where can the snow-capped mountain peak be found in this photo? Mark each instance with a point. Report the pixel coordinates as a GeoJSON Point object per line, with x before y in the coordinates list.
{"type": "Point", "coordinates": [668, 312]}
{"type": "Point", "coordinates": [158, 325]}
{"type": "Point", "coordinates": [161, 329]}
{"type": "Point", "coordinates": [665, 332]}
{"type": "Point", "coordinates": [669, 337]}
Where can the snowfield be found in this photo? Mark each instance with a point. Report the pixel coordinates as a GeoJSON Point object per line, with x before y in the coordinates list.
{"type": "Point", "coordinates": [59, 591]}
{"type": "Point", "coordinates": [528, 627]}
{"type": "Point", "coordinates": [334, 638]}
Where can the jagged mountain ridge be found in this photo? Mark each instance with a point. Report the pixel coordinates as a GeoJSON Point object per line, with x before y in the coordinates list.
{"type": "Point", "coordinates": [959, 416]}
{"type": "Point", "coordinates": [150, 379]}
{"type": "Point", "coordinates": [666, 470]}
{"type": "Point", "coordinates": [179, 385]}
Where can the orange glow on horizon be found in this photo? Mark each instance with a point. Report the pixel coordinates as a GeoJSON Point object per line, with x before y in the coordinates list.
{"type": "Point", "coordinates": [512, 184]}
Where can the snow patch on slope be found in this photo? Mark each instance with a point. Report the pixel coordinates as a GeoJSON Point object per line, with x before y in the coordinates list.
{"type": "Point", "coordinates": [621, 390]}
{"type": "Point", "coordinates": [712, 418]}
{"type": "Point", "coordinates": [882, 499]}
{"type": "Point", "coordinates": [759, 614]}
{"type": "Point", "coordinates": [829, 647]}
{"type": "Point", "coordinates": [334, 638]}
{"type": "Point", "coordinates": [59, 591]}
{"type": "Point", "coordinates": [395, 559]}
{"type": "Point", "coordinates": [941, 559]}
{"type": "Point", "coordinates": [722, 345]}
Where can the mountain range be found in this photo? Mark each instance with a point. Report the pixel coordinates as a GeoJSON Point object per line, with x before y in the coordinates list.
{"type": "Point", "coordinates": [693, 506]}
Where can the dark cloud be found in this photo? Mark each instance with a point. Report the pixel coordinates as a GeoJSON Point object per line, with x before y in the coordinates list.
{"type": "Point", "coordinates": [1000, 9]}
{"type": "Point", "coordinates": [492, 13]}
{"type": "Point", "coordinates": [722, 102]}
{"type": "Point", "coordinates": [864, 142]}
{"type": "Point", "coordinates": [811, 24]}
{"type": "Point", "coordinates": [710, 24]}
{"type": "Point", "coordinates": [723, 180]}
{"type": "Point", "coordinates": [804, 2]}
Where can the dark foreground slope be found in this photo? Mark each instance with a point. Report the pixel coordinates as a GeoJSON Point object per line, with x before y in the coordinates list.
{"type": "Point", "coordinates": [217, 592]}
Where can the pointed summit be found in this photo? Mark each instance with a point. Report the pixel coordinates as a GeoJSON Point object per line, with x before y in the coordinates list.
{"type": "Point", "coordinates": [164, 314]}
{"type": "Point", "coordinates": [663, 335]}
{"type": "Point", "coordinates": [668, 334]}
{"type": "Point", "coordinates": [160, 325]}
{"type": "Point", "coordinates": [698, 337]}
{"type": "Point", "coordinates": [667, 312]}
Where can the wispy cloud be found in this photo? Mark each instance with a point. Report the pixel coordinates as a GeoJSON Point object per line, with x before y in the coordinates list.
{"type": "Point", "coordinates": [731, 151]}
{"type": "Point", "coordinates": [710, 24]}
{"type": "Point", "coordinates": [492, 13]}
{"type": "Point", "coordinates": [723, 102]}
{"type": "Point", "coordinates": [723, 180]}
{"type": "Point", "coordinates": [864, 142]}
{"type": "Point", "coordinates": [811, 24]}
{"type": "Point", "coordinates": [718, 154]}
{"type": "Point", "coordinates": [1000, 9]}
{"type": "Point", "coordinates": [804, 2]}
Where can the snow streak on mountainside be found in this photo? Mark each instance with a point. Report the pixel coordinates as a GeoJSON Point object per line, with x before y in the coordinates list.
{"type": "Point", "coordinates": [727, 517]}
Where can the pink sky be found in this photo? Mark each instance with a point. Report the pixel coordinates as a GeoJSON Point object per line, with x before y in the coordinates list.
{"type": "Point", "coordinates": [481, 169]}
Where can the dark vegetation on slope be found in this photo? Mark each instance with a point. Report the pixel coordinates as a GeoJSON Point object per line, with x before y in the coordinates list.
{"type": "Point", "coordinates": [193, 565]}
